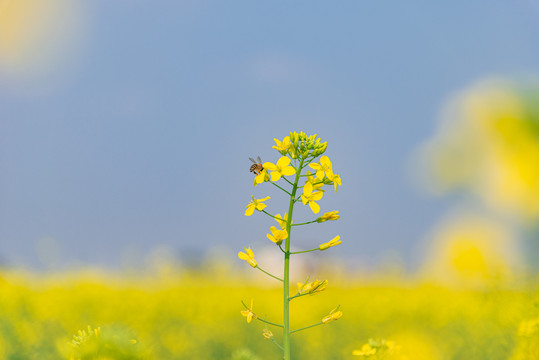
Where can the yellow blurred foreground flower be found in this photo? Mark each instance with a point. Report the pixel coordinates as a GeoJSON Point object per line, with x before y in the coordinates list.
{"type": "Point", "coordinates": [366, 350]}
{"type": "Point", "coordinates": [333, 242]}
{"type": "Point", "coordinates": [248, 256]}
{"type": "Point", "coordinates": [255, 204]}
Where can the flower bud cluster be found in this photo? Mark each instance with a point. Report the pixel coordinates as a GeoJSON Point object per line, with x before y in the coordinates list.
{"type": "Point", "coordinates": [305, 145]}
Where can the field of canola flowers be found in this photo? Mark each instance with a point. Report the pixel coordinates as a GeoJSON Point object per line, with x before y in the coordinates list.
{"type": "Point", "coordinates": [196, 315]}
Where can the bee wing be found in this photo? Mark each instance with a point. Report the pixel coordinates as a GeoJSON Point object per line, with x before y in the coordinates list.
{"type": "Point", "coordinates": [259, 161]}
{"type": "Point", "coordinates": [252, 160]}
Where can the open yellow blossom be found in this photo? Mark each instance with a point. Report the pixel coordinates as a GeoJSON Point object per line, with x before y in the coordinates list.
{"type": "Point", "coordinates": [333, 242]}
{"type": "Point", "coordinates": [261, 177]}
{"type": "Point", "coordinates": [335, 314]}
{"type": "Point", "coordinates": [255, 204]}
{"type": "Point", "coordinates": [248, 256]}
{"type": "Point", "coordinates": [282, 168]}
{"type": "Point", "coordinates": [312, 287]}
{"type": "Point", "coordinates": [324, 167]}
{"type": "Point", "coordinates": [249, 313]}
{"type": "Point", "coordinates": [336, 181]}
{"type": "Point", "coordinates": [315, 182]}
{"type": "Point", "coordinates": [283, 146]}
{"type": "Point", "coordinates": [309, 197]}
{"type": "Point", "coordinates": [332, 215]}
{"type": "Point", "coordinates": [281, 220]}
{"type": "Point", "coordinates": [366, 350]}
{"type": "Point", "coordinates": [277, 236]}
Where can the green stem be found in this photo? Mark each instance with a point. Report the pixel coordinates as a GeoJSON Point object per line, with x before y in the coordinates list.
{"type": "Point", "coordinates": [305, 223]}
{"type": "Point", "coordinates": [267, 273]}
{"type": "Point", "coordinates": [257, 318]}
{"type": "Point", "coordinates": [286, 282]}
{"type": "Point", "coordinates": [306, 327]}
{"type": "Point", "coordinates": [269, 322]}
{"type": "Point", "coordinates": [280, 188]}
{"type": "Point", "coordinates": [275, 217]}
{"type": "Point", "coordinates": [275, 342]}
{"type": "Point", "coordinates": [304, 251]}
{"type": "Point", "coordinates": [288, 181]}
{"type": "Point", "coordinates": [298, 295]}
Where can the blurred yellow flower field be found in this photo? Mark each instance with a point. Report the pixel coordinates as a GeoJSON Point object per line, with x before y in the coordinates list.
{"type": "Point", "coordinates": [185, 314]}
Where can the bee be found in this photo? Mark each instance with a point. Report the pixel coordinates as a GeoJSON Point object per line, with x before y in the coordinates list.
{"type": "Point", "coordinates": [257, 167]}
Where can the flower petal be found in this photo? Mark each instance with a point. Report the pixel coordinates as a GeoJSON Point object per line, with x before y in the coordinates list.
{"type": "Point", "coordinates": [250, 210]}
{"type": "Point", "coordinates": [283, 161]}
{"type": "Point", "coordinates": [275, 176]}
{"type": "Point", "coordinates": [269, 166]}
{"type": "Point", "coordinates": [314, 207]}
{"type": "Point", "coordinates": [288, 171]}
{"type": "Point", "coordinates": [308, 189]}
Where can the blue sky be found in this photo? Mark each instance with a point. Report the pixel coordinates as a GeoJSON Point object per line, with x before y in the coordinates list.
{"type": "Point", "coordinates": [142, 138]}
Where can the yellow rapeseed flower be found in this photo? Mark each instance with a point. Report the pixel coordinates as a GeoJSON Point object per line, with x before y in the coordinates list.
{"type": "Point", "coordinates": [334, 314]}
{"type": "Point", "coordinates": [249, 314]}
{"type": "Point", "coordinates": [248, 256]}
{"type": "Point", "coordinates": [316, 182]}
{"type": "Point", "coordinates": [283, 146]}
{"type": "Point", "coordinates": [333, 242]}
{"type": "Point", "coordinates": [312, 287]}
{"type": "Point", "coordinates": [255, 204]}
{"type": "Point", "coordinates": [282, 168]}
{"type": "Point", "coordinates": [277, 236]}
{"type": "Point", "coordinates": [336, 181]}
{"type": "Point", "coordinates": [267, 334]}
{"type": "Point", "coordinates": [324, 167]}
{"type": "Point", "coordinates": [332, 215]}
{"type": "Point", "coordinates": [261, 177]}
{"type": "Point", "coordinates": [281, 220]}
{"type": "Point", "coordinates": [309, 197]}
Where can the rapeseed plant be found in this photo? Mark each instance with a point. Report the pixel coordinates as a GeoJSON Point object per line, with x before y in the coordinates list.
{"type": "Point", "coordinates": [298, 153]}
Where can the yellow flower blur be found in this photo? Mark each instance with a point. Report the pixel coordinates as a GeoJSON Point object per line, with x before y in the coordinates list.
{"type": "Point", "coordinates": [255, 204]}
{"type": "Point", "coordinates": [366, 350]}
{"type": "Point", "coordinates": [248, 256]}
{"type": "Point", "coordinates": [488, 144]}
